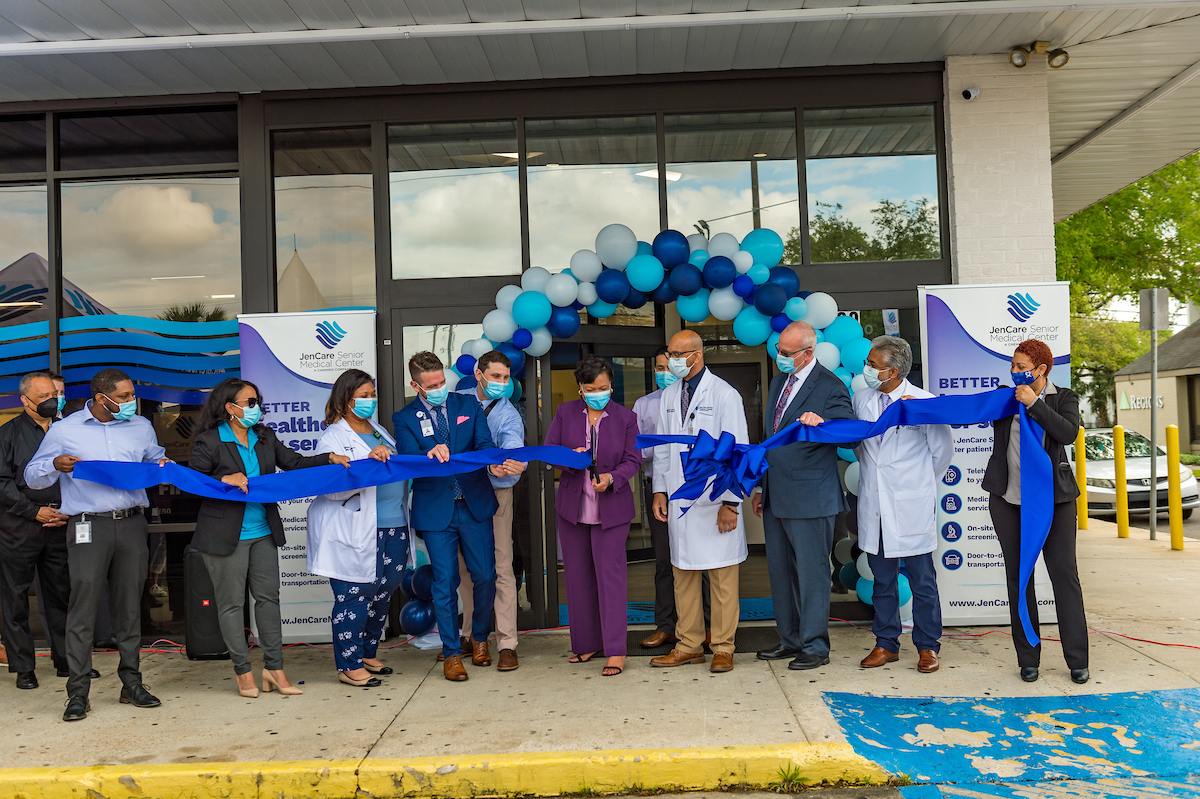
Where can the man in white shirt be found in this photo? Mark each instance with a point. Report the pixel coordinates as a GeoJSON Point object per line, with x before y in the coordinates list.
{"type": "Point", "coordinates": [897, 506]}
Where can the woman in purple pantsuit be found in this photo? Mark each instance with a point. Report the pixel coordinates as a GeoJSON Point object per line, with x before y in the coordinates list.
{"type": "Point", "coordinates": [595, 507]}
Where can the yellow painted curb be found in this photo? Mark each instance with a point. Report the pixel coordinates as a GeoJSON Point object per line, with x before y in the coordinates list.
{"type": "Point", "coordinates": [519, 774]}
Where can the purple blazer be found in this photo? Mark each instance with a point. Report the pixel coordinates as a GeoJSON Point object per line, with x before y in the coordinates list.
{"type": "Point", "coordinates": [615, 454]}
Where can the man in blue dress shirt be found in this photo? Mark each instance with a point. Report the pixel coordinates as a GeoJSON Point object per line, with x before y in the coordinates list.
{"type": "Point", "coordinates": [106, 530]}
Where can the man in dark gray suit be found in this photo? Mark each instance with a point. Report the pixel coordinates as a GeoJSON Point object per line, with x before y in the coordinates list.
{"type": "Point", "coordinates": [802, 493]}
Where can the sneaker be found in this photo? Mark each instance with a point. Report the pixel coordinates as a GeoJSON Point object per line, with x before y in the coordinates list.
{"type": "Point", "coordinates": [158, 591]}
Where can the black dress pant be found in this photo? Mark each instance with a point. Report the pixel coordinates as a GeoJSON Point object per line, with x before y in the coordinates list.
{"type": "Point", "coordinates": [1059, 556]}
{"type": "Point", "coordinates": [26, 548]}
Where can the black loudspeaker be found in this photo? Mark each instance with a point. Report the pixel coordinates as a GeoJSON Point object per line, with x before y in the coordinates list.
{"type": "Point", "coordinates": [202, 628]}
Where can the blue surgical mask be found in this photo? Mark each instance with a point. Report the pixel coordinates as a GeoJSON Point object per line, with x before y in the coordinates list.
{"type": "Point", "coordinates": [125, 410]}
{"type": "Point", "coordinates": [1023, 378]}
{"type": "Point", "coordinates": [871, 376]}
{"type": "Point", "coordinates": [437, 396]}
{"type": "Point", "coordinates": [596, 400]}
{"type": "Point", "coordinates": [494, 390]}
{"type": "Point", "coordinates": [62, 403]}
{"type": "Point", "coordinates": [786, 365]}
{"type": "Point", "coordinates": [679, 367]}
{"type": "Point", "coordinates": [364, 407]}
{"type": "Point", "coordinates": [664, 379]}
{"type": "Point", "coordinates": [251, 416]}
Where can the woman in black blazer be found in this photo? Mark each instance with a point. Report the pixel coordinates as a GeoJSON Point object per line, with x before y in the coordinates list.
{"type": "Point", "coordinates": [239, 540]}
{"type": "Point", "coordinates": [1056, 409]}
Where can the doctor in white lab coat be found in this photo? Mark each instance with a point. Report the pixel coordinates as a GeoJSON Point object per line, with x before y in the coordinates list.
{"type": "Point", "coordinates": [711, 536]}
{"type": "Point", "coordinates": [897, 506]}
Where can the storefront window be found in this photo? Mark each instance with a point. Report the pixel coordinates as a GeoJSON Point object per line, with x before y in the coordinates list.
{"type": "Point", "coordinates": [324, 219]}
{"type": "Point", "coordinates": [872, 185]}
{"type": "Point", "coordinates": [22, 146]}
{"type": "Point", "coordinates": [174, 137]}
{"type": "Point", "coordinates": [455, 200]}
{"type": "Point", "coordinates": [23, 270]}
{"type": "Point", "coordinates": [444, 341]}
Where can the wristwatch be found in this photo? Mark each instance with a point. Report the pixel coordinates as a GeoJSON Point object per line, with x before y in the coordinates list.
{"type": "Point", "coordinates": [733, 506]}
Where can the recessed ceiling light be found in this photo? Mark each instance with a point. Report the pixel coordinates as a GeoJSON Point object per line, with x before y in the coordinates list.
{"type": "Point", "coordinates": [552, 164]}
{"type": "Point", "coordinates": [178, 277]}
{"type": "Point", "coordinates": [223, 296]}
{"type": "Point", "coordinates": [653, 173]}
{"type": "Point", "coordinates": [20, 305]}
{"type": "Point", "coordinates": [760, 155]}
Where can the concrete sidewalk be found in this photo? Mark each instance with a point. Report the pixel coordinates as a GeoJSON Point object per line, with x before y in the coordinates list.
{"type": "Point", "coordinates": [1135, 587]}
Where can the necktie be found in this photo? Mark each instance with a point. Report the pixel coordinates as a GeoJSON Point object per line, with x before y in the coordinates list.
{"type": "Point", "coordinates": [684, 399]}
{"type": "Point", "coordinates": [441, 416]}
{"type": "Point", "coordinates": [782, 404]}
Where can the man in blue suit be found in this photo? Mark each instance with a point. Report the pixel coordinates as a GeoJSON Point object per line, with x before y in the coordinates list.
{"type": "Point", "coordinates": [802, 493]}
{"type": "Point", "coordinates": [452, 513]}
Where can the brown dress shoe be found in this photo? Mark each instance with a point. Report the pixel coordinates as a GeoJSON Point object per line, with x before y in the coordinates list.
{"type": "Point", "coordinates": [440, 657]}
{"type": "Point", "coordinates": [878, 657]}
{"type": "Point", "coordinates": [677, 658]}
{"type": "Point", "coordinates": [656, 639]}
{"type": "Point", "coordinates": [721, 662]}
{"type": "Point", "coordinates": [480, 654]}
{"type": "Point", "coordinates": [454, 669]}
{"type": "Point", "coordinates": [928, 663]}
{"type": "Point", "coordinates": [508, 660]}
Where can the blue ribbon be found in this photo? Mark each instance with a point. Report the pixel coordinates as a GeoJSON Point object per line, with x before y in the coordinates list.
{"type": "Point", "coordinates": [740, 467]}
{"type": "Point", "coordinates": [282, 486]}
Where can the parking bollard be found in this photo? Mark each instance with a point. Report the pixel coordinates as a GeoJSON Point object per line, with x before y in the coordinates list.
{"type": "Point", "coordinates": [1081, 508]}
{"type": "Point", "coordinates": [1174, 496]}
{"type": "Point", "coordinates": [1119, 479]}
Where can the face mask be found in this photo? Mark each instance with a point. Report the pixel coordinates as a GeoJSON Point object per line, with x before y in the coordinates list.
{"type": "Point", "coordinates": [664, 379]}
{"type": "Point", "coordinates": [125, 410]}
{"type": "Point", "coordinates": [364, 407]}
{"type": "Point", "coordinates": [62, 403]}
{"type": "Point", "coordinates": [596, 400]}
{"type": "Point", "coordinates": [437, 396]}
{"type": "Point", "coordinates": [48, 409]}
{"type": "Point", "coordinates": [1023, 378]}
{"type": "Point", "coordinates": [786, 365]}
{"type": "Point", "coordinates": [871, 376]}
{"type": "Point", "coordinates": [493, 390]}
{"type": "Point", "coordinates": [251, 416]}
{"type": "Point", "coordinates": [679, 367]}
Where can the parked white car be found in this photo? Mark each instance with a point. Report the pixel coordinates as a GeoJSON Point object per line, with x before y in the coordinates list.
{"type": "Point", "coordinates": [1101, 475]}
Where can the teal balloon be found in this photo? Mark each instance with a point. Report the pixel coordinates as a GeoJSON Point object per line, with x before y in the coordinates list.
{"type": "Point", "coordinates": [765, 245]}
{"type": "Point", "coordinates": [905, 589]}
{"type": "Point", "coordinates": [759, 274]}
{"type": "Point", "coordinates": [516, 390]}
{"type": "Point", "coordinates": [796, 309]}
{"type": "Point", "coordinates": [843, 329]}
{"type": "Point", "coordinates": [601, 309]}
{"type": "Point", "coordinates": [848, 575]}
{"type": "Point", "coordinates": [752, 328]}
{"type": "Point", "coordinates": [698, 257]}
{"type": "Point", "coordinates": [420, 559]}
{"type": "Point", "coordinates": [644, 248]}
{"type": "Point", "coordinates": [694, 307]}
{"type": "Point", "coordinates": [847, 454]}
{"type": "Point", "coordinates": [854, 353]}
{"type": "Point", "coordinates": [866, 590]}
{"type": "Point", "coordinates": [844, 374]}
{"type": "Point", "coordinates": [820, 336]}
{"type": "Point", "coordinates": [645, 272]}
{"type": "Point", "coordinates": [531, 310]}
{"type": "Point", "coordinates": [773, 345]}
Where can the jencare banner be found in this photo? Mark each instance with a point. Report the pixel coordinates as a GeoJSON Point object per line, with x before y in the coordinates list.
{"type": "Point", "coordinates": [294, 359]}
{"type": "Point", "coordinates": [968, 335]}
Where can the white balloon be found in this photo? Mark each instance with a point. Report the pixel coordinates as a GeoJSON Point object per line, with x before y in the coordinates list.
{"type": "Point", "coordinates": [615, 244]}
{"type": "Point", "coordinates": [859, 383]}
{"type": "Point", "coordinates": [506, 296]}
{"type": "Point", "coordinates": [542, 340]}
{"type": "Point", "coordinates": [587, 293]}
{"type": "Point", "coordinates": [724, 304]}
{"type": "Point", "coordinates": [822, 309]}
{"type": "Point", "coordinates": [452, 378]}
{"type": "Point", "coordinates": [561, 290]}
{"type": "Point", "coordinates": [696, 241]}
{"type": "Point", "coordinates": [476, 347]}
{"type": "Point", "coordinates": [586, 266]}
{"type": "Point", "coordinates": [864, 567]}
{"type": "Point", "coordinates": [498, 325]}
{"type": "Point", "coordinates": [743, 261]}
{"type": "Point", "coordinates": [827, 354]}
{"type": "Point", "coordinates": [534, 279]}
{"type": "Point", "coordinates": [724, 244]}
{"type": "Point", "coordinates": [906, 612]}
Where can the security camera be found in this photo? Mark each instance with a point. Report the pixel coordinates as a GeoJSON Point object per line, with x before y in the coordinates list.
{"type": "Point", "coordinates": [971, 93]}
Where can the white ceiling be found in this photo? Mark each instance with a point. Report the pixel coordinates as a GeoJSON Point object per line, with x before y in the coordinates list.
{"type": "Point", "coordinates": [1120, 52]}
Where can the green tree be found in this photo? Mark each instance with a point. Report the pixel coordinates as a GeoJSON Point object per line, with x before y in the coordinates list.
{"type": "Point", "coordinates": [1099, 347]}
{"type": "Point", "coordinates": [194, 312]}
{"type": "Point", "coordinates": [904, 231]}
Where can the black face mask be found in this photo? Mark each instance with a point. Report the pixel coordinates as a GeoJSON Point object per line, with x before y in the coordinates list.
{"type": "Point", "coordinates": [47, 409]}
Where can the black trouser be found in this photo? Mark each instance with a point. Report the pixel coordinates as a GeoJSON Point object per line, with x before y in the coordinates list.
{"type": "Point", "coordinates": [665, 615]}
{"type": "Point", "coordinates": [117, 554]}
{"type": "Point", "coordinates": [27, 547]}
{"type": "Point", "coordinates": [1059, 555]}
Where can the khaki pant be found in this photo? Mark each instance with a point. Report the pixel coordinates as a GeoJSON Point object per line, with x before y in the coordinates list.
{"type": "Point", "coordinates": [689, 603]}
{"type": "Point", "coordinates": [506, 581]}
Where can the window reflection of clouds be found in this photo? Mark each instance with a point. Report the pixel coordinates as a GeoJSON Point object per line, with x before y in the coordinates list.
{"type": "Point", "coordinates": [22, 222]}
{"type": "Point", "coordinates": [859, 184]}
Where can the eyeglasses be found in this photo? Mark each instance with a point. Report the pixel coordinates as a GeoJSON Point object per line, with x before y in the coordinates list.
{"type": "Point", "coordinates": [250, 402]}
{"type": "Point", "coordinates": [793, 354]}
{"type": "Point", "coordinates": [681, 354]}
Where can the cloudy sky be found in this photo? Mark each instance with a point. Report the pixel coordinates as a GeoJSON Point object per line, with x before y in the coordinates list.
{"type": "Point", "coordinates": [858, 184]}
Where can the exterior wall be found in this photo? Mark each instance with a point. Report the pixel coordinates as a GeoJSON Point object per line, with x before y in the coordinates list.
{"type": "Point", "coordinates": [998, 157]}
{"type": "Point", "coordinates": [1173, 410]}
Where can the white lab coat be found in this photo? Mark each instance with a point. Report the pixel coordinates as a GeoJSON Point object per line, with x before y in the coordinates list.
{"type": "Point", "coordinates": [695, 542]}
{"type": "Point", "coordinates": [897, 479]}
{"type": "Point", "coordinates": [342, 526]}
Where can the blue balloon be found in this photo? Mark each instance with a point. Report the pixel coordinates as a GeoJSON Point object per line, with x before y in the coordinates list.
{"type": "Point", "coordinates": [719, 272]}
{"type": "Point", "coordinates": [635, 299]}
{"type": "Point", "coordinates": [522, 338]}
{"type": "Point", "coordinates": [842, 329]}
{"type": "Point", "coordinates": [751, 328]}
{"type": "Point", "coordinates": [743, 286]}
{"type": "Point", "coordinates": [698, 258]}
{"type": "Point", "coordinates": [644, 248]}
{"type": "Point", "coordinates": [796, 309]}
{"type": "Point", "coordinates": [905, 588]}
{"type": "Point", "coordinates": [644, 273]}
{"type": "Point", "coordinates": [759, 274]}
{"type": "Point", "coordinates": [848, 575]}
{"type": "Point", "coordinates": [847, 454]}
{"type": "Point", "coordinates": [515, 355]}
{"type": "Point", "coordinates": [564, 322]}
{"type": "Point", "coordinates": [780, 321]}
{"type": "Point", "coordinates": [601, 309]}
{"type": "Point", "coordinates": [820, 336]}
{"type": "Point", "coordinates": [786, 276]}
{"type": "Point", "coordinates": [769, 299]}
{"type": "Point", "coordinates": [664, 294]}
{"type": "Point", "coordinates": [671, 248]}
{"type": "Point", "coordinates": [773, 345]}
{"type": "Point", "coordinates": [693, 308]}
{"type": "Point", "coordinates": [465, 364]}
{"type": "Point", "coordinates": [844, 374]}
{"type": "Point", "coordinates": [422, 583]}
{"type": "Point", "coordinates": [467, 382]}
{"type": "Point", "coordinates": [577, 305]}
{"type": "Point", "coordinates": [686, 279]}
{"type": "Point", "coordinates": [765, 245]}
{"type": "Point", "coordinates": [406, 582]}
{"type": "Point", "coordinates": [611, 286]}
{"type": "Point", "coordinates": [416, 617]}
{"type": "Point", "coordinates": [866, 590]}
{"type": "Point", "coordinates": [515, 394]}
{"type": "Point", "coordinates": [531, 310]}
{"type": "Point", "coordinates": [854, 353]}
{"type": "Point", "coordinates": [804, 295]}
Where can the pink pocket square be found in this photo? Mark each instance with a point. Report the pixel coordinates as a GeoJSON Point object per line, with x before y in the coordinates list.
{"type": "Point", "coordinates": [462, 419]}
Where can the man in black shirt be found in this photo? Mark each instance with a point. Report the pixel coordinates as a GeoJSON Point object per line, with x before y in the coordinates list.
{"type": "Point", "coordinates": [32, 534]}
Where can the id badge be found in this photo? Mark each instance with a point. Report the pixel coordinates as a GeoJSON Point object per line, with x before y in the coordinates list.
{"type": "Point", "coordinates": [83, 533]}
{"type": "Point", "coordinates": [427, 428]}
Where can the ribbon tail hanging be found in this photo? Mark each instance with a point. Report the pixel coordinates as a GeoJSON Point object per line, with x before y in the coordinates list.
{"type": "Point", "coordinates": [1037, 512]}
